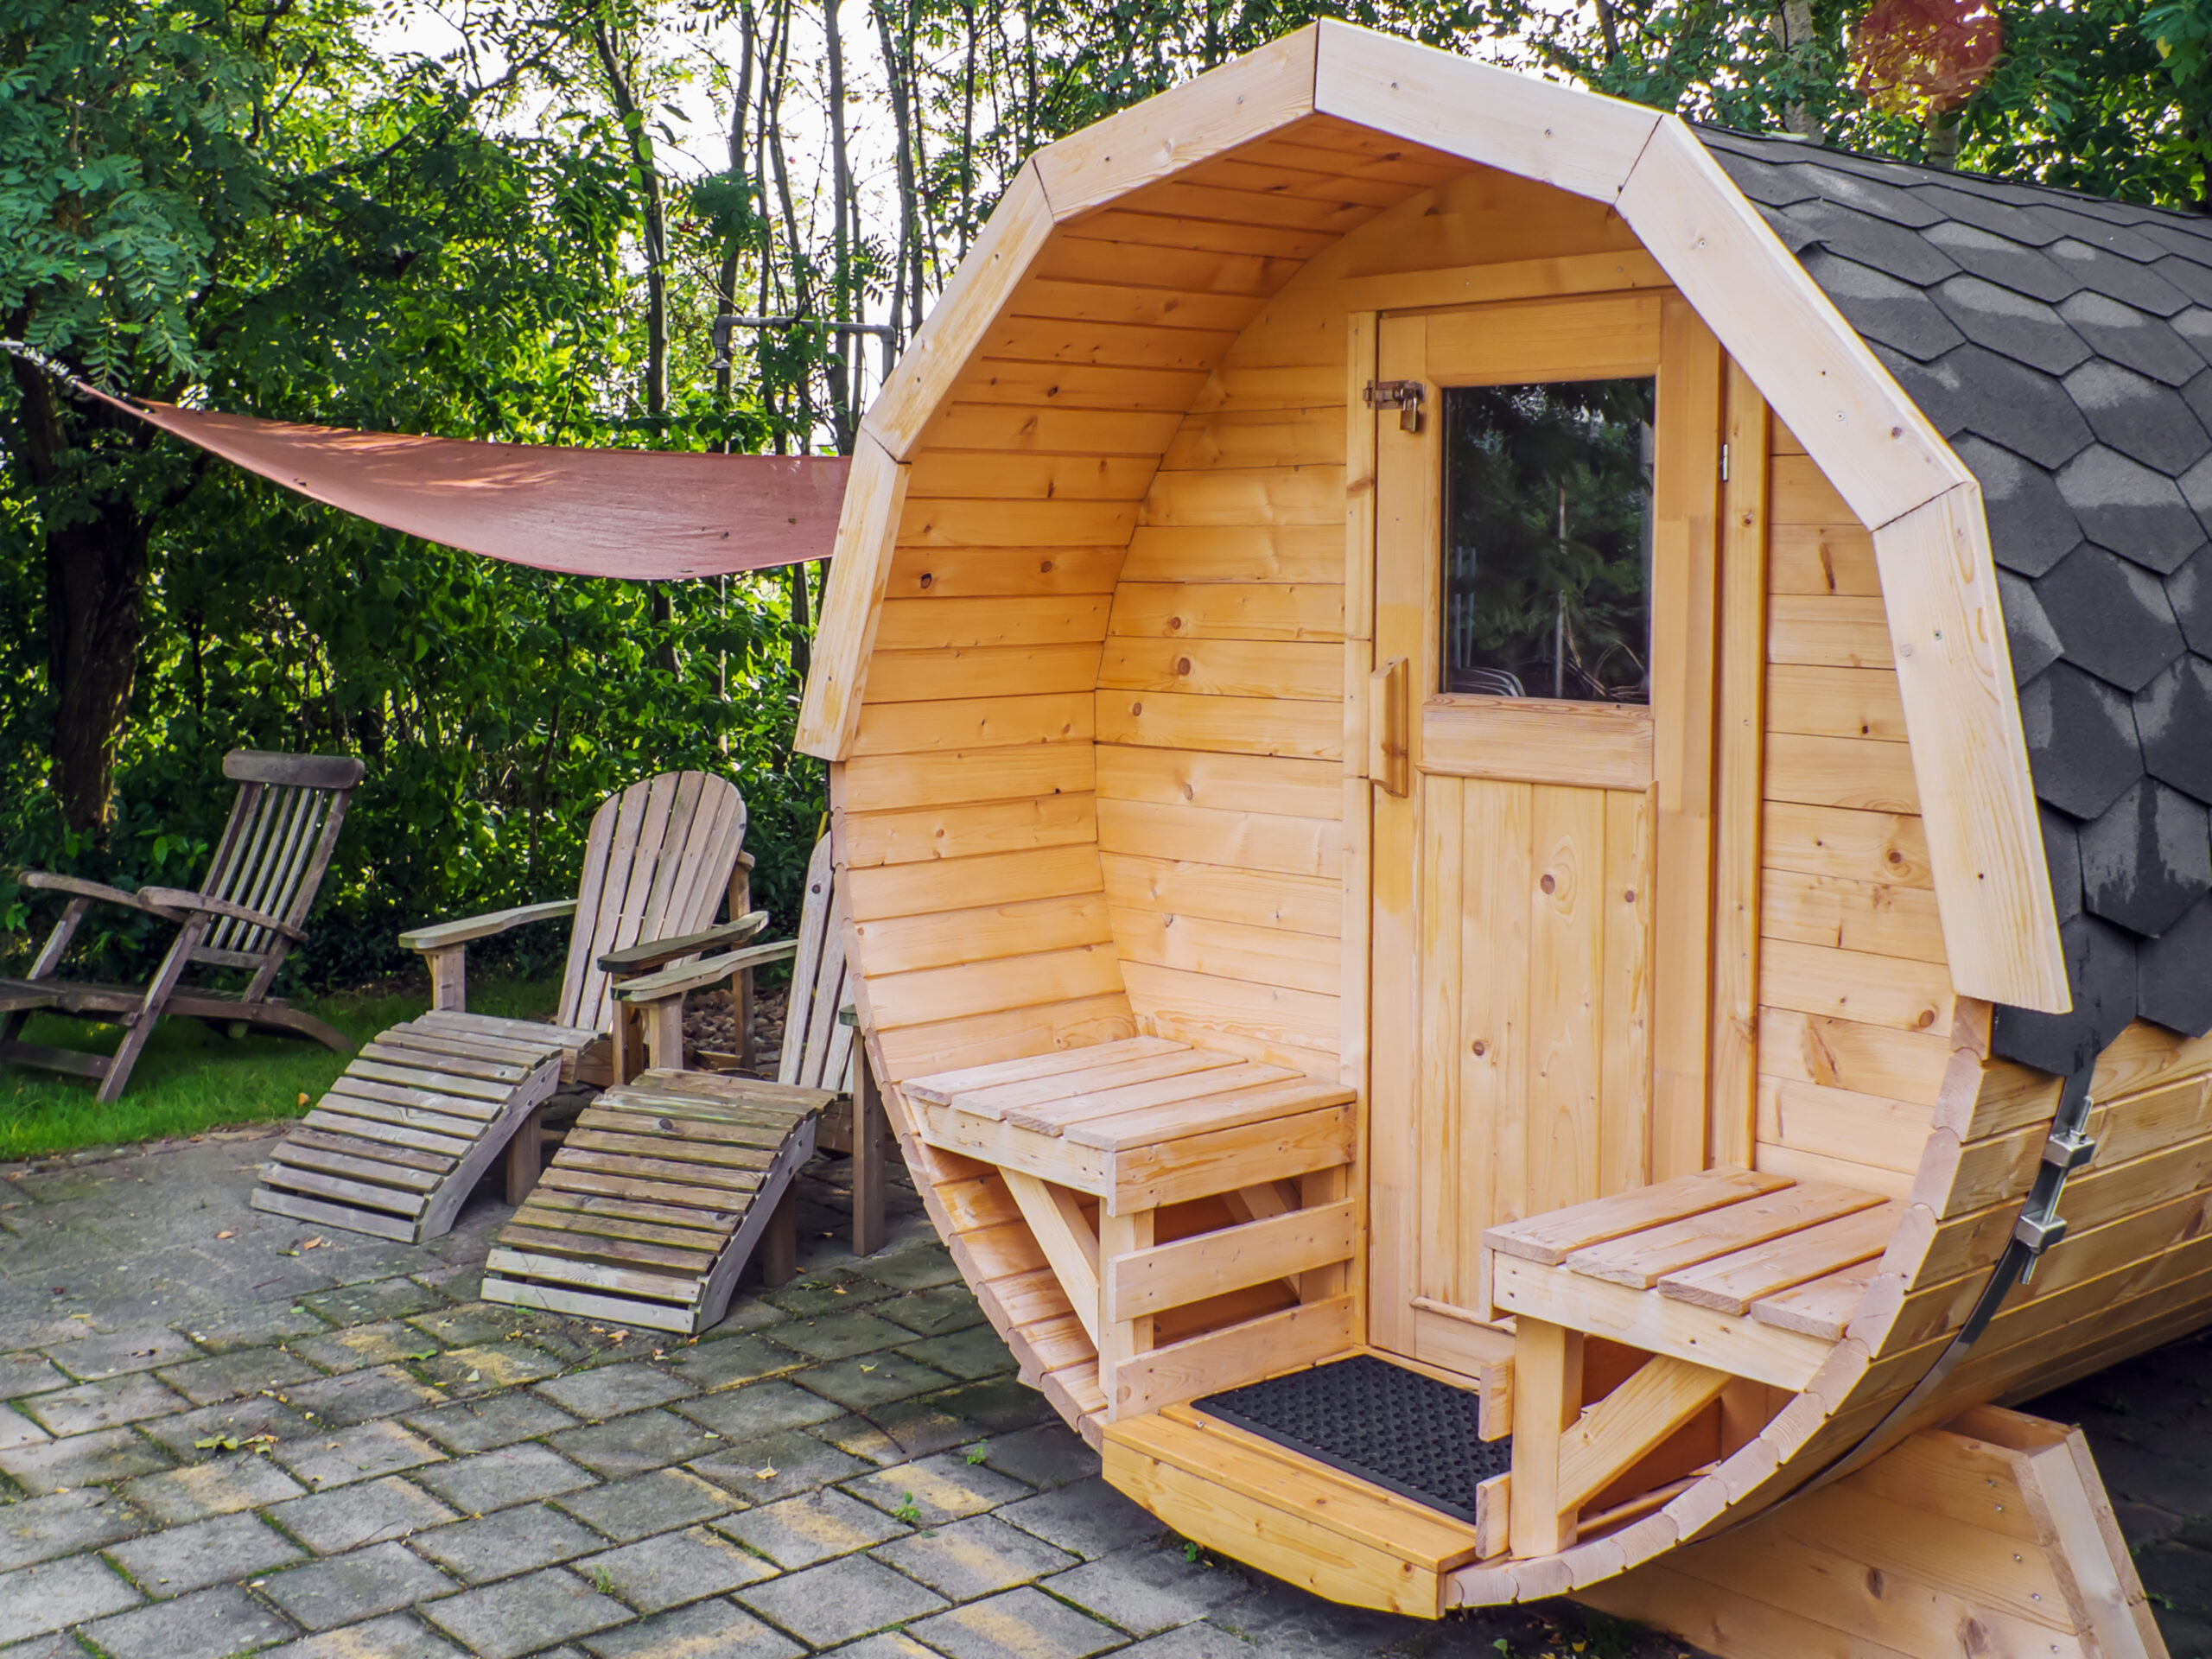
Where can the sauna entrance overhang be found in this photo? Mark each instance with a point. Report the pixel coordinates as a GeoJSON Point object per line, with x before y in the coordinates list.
{"type": "Point", "coordinates": [1391, 118]}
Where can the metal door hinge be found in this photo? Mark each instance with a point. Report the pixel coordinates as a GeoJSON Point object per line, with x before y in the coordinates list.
{"type": "Point", "coordinates": [1404, 396]}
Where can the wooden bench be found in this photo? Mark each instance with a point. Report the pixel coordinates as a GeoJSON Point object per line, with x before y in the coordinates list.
{"type": "Point", "coordinates": [1094, 1143]}
{"type": "Point", "coordinates": [1724, 1277]}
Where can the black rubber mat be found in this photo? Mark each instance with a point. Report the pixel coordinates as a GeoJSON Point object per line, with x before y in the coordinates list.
{"type": "Point", "coordinates": [1408, 1433]}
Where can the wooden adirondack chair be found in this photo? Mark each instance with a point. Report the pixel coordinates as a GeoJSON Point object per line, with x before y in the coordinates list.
{"type": "Point", "coordinates": [424, 1110]}
{"type": "Point", "coordinates": [247, 913]}
{"type": "Point", "coordinates": [819, 1051]}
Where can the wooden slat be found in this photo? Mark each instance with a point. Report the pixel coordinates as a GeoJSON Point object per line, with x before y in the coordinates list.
{"type": "Point", "coordinates": [1640, 1260]}
{"type": "Point", "coordinates": [1594, 745]}
{"type": "Point", "coordinates": [1550, 1238]}
{"type": "Point", "coordinates": [940, 1088]}
{"type": "Point", "coordinates": [1177, 610]}
{"type": "Point", "coordinates": [997, 1100]}
{"type": "Point", "coordinates": [1731, 1283]}
{"type": "Point", "coordinates": [1194, 1094]}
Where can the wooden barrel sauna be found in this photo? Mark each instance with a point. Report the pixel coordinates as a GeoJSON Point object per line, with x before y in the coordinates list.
{"type": "Point", "coordinates": [1640, 997]}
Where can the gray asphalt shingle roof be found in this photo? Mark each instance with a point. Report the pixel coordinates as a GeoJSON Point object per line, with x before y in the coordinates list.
{"type": "Point", "coordinates": [2060, 342]}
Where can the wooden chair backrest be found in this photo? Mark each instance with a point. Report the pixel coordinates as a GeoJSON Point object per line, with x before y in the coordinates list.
{"type": "Point", "coordinates": [657, 864]}
{"type": "Point", "coordinates": [817, 1049]}
{"type": "Point", "coordinates": [282, 831]}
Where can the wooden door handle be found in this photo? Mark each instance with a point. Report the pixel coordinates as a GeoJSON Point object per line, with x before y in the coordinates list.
{"type": "Point", "coordinates": [1389, 726]}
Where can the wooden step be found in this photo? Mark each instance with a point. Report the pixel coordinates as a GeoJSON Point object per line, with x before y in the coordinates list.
{"type": "Point", "coordinates": [656, 1200]}
{"type": "Point", "coordinates": [419, 1116]}
{"type": "Point", "coordinates": [1300, 1520]}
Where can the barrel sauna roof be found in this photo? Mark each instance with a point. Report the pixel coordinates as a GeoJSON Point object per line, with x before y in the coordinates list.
{"type": "Point", "coordinates": [2060, 343]}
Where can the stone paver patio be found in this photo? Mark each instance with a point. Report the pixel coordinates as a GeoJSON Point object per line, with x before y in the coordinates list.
{"type": "Point", "coordinates": [225, 1433]}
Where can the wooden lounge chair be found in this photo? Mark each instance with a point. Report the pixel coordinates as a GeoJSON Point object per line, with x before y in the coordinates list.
{"type": "Point", "coordinates": [666, 1185]}
{"type": "Point", "coordinates": [247, 913]}
{"type": "Point", "coordinates": [395, 1147]}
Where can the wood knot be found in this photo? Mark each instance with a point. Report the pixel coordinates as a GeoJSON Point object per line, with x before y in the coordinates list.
{"type": "Point", "coordinates": [1478, 1048]}
{"type": "Point", "coordinates": [1183, 666]}
{"type": "Point", "coordinates": [1550, 883]}
{"type": "Point", "coordinates": [927, 579]}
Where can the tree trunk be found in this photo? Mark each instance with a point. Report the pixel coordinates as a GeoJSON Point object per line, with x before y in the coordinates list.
{"type": "Point", "coordinates": [1793, 30]}
{"type": "Point", "coordinates": [95, 586]}
{"type": "Point", "coordinates": [623, 92]}
{"type": "Point", "coordinates": [842, 348]}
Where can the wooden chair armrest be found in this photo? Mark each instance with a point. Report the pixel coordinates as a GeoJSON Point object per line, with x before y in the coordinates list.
{"type": "Point", "coordinates": [77, 888]}
{"type": "Point", "coordinates": [745, 860]}
{"type": "Point", "coordinates": [439, 935]}
{"type": "Point", "coordinates": [178, 898]}
{"type": "Point", "coordinates": [696, 976]}
{"type": "Point", "coordinates": [658, 953]}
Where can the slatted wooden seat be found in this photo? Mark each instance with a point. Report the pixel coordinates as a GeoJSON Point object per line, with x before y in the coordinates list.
{"type": "Point", "coordinates": [1723, 1277]}
{"type": "Point", "coordinates": [1095, 1142]}
{"type": "Point", "coordinates": [656, 1200]}
{"type": "Point", "coordinates": [419, 1115]}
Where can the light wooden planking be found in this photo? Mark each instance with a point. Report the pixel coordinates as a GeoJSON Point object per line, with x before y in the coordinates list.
{"type": "Point", "coordinates": [1823, 559]}
{"type": "Point", "coordinates": [1227, 950]}
{"type": "Point", "coordinates": [932, 994]}
{"type": "Point", "coordinates": [1853, 985]}
{"type": "Point", "coordinates": [961, 475]}
{"type": "Point", "coordinates": [968, 723]}
{"type": "Point", "coordinates": [852, 607]}
{"type": "Point", "coordinates": [961, 832]}
{"type": "Point", "coordinates": [1816, 630]}
{"type": "Point", "coordinates": [1229, 783]}
{"type": "Point", "coordinates": [1823, 701]}
{"type": "Point", "coordinates": [1269, 1023]}
{"type": "Point", "coordinates": [1887, 847]}
{"type": "Point", "coordinates": [919, 572]}
{"type": "Point", "coordinates": [1252, 841]}
{"type": "Point", "coordinates": [1278, 553]}
{"type": "Point", "coordinates": [978, 933]}
{"type": "Point", "coordinates": [1170, 610]}
{"type": "Point", "coordinates": [1008, 878]}
{"type": "Point", "coordinates": [1243, 496]}
{"type": "Point", "coordinates": [1237, 668]}
{"type": "Point", "coordinates": [1599, 746]}
{"type": "Point", "coordinates": [1256, 898]}
{"type": "Point", "coordinates": [1846, 771]}
{"type": "Point", "coordinates": [895, 783]}
{"type": "Point", "coordinates": [1265, 437]}
{"type": "Point", "coordinates": [943, 624]}
{"type": "Point", "coordinates": [1264, 726]}
{"type": "Point", "coordinates": [1839, 1123]}
{"type": "Point", "coordinates": [981, 671]}
{"type": "Point", "coordinates": [1089, 299]}
{"type": "Point", "coordinates": [1000, 430]}
{"type": "Point", "coordinates": [1862, 916]}
{"type": "Point", "coordinates": [970, 523]}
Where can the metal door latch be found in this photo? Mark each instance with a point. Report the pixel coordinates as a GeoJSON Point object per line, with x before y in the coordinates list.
{"type": "Point", "coordinates": [1404, 396]}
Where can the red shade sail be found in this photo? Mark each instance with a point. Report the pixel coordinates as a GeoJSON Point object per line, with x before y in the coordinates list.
{"type": "Point", "coordinates": [646, 515]}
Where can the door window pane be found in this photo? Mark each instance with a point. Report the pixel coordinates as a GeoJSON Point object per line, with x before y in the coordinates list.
{"type": "Point", "coordinates": [1548, 540]}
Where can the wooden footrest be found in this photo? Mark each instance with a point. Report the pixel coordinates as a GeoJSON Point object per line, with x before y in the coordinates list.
{"type": "Point", "coordinates": [1139, 1123]}
{"type": "Point", "coordinates": [1293, 1516]}
{"type": "Point", "coordinates": [420, 1115]}
{"type": "Point", "coordinates": [656, 1200]}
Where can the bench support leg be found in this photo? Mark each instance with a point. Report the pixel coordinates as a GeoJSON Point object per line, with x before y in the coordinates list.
{"type": "Point", "coordinates": [1817, 1576]}
{"type": "Point", "coordinates": [525, 1155]}
{"type": "Point", "coordinates": [1546, 1399]}
{"type": "Point", "coordinates": [869, 1130]}
{"type": "Point", "coordinates": [1120, 1341]}
{"type": "Point", "coordinates": [779, 1242]}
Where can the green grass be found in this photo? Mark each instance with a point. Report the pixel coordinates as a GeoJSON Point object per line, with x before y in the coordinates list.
{"type": "Point", "coordinates": [192, 1077]}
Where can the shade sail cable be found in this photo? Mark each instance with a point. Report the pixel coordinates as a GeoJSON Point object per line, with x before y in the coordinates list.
{"type": "Point", "coordinates": [644, 515]}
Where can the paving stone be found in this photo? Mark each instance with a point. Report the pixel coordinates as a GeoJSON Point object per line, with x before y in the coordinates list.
{"type": "Point", "coordinates": [523, 1615]}
{"type": "Point", "coordinates": [513, 1541]}
{"type": "Point", "coordinates": [493, 1480]}
{"type": "Point", "coordinates": [485, 1425]}
{"type": "Point", "coordinates": [839, 1601]}
{"type": "Point", "coordinates": [490, 1366]}
{"type": "Point", "coordinates": [628, 1509]}
{"type": "Point", "coordinates": [662, 1572]}
{"type": "Point", "coordinates": [59, 1645]}
{"type": "Point", "coordinates": [863, 1383]}
{"type": "Point", "coordinates": [249, 1370]}
{"type": "Point", "coordinates": [213, 1625]}
{"type": "Point", "coordinates": [811, 1528]}
{"type": "Point", "coordinates": [118, 1353]}
{"type": "Point", "coordinates": [81, 1461]}
{"type": "Point", "coordinates": [840, 1336]}
{"type": "Point", "coordinates": [347, 1589]}
{"type": "Point", "coordinates": [1194, 1642]}
{"type": "Point", "coordinates": [18, 1430]}
{"type": "Point", "coordinates": [54, 1594]}
{"type": "Point", "coordinates": [472, 1323]}
{"type": "Point", "coordinates": [969, 1355]}
{"type": "Point", "coordinates": [1022, 1623]}
{"type": "Point", "coordinates": [351, 1454]}
{"type": "Point", "coordinates": [41, 1528]}
{"type": "Point", "coordinates": [255, 1326]}
{"type": "Point", "coordinates": [611, 1391]}
{"type": "Point", "coordinates": [819, 1295]}
{"type": "Point", "coordinates": [22, 1374]}
{"type": "Point", "coordinates": [372, 1512]}
{"type": "Point", "coordinates": [776, 1465]}
{"type": "Point", "coordinates": [1148, 1589]}
{"type": "Point", "coordinates": [935, 1312]}
{"type": "Point", "coordinates": [974, 1558]}
{"type": "Point", "coordinates": [394, 1638]}
{"type": "Point", "coordinates": [242, 1481]}
{"type": "Point", "coordinates": [884, 1645]}
{"type": "Point", "coordinates": [739, 1359]}
{"type": "Point", "coordinates": [93, 1406]}
{"type": "Point", "coordinates": [706, 1629]}
{"type": "Point", "coordinates": [758, 1409]}
{"type": "Point", "coordinates": [364, 1304]}
{"type": "Point", "coordinates": [940, 1488]}
{"type": "Point", "coordinates": [1050, 1454]}
{"type": "Point", "coordinates": [917, 1268]}
{"type": "Point", "coordinates": [1085, 1518]}
{"type": "Point", "coordinates": [389, 1342]}
{"type": "Point", "coordinates": [235, 1420]}
{"type": "Point", "coordinates": [165, 1563]}
{"type": "Point", "coordinates": [998, 1405]}
{"type": "Point", "coordinates": [631, 1445]}
{"type": "Point", "coordinates": [358, 1396]}
{"type": "Point", "coordinates": [903, 1430]}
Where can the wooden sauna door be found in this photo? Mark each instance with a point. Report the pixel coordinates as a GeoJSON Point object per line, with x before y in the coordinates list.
{"type": "Point", "coordinates": [1512, 973]}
